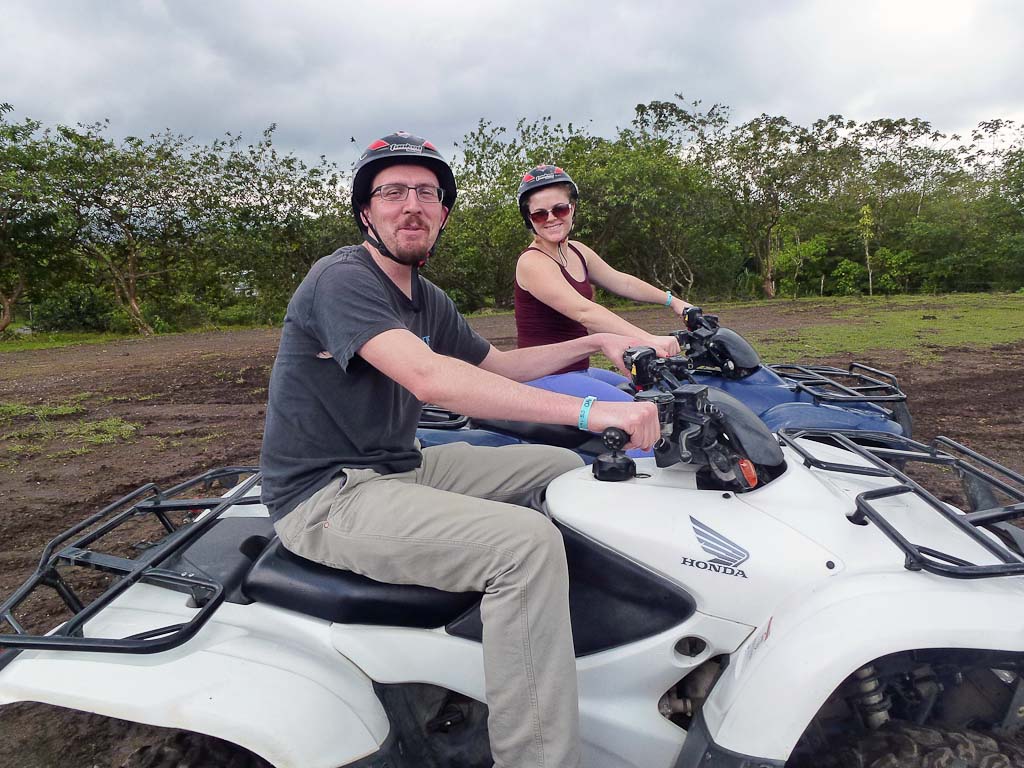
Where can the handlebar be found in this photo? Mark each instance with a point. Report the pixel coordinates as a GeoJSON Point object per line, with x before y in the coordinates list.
{"type": "Point", "coordinates": [696, 319]}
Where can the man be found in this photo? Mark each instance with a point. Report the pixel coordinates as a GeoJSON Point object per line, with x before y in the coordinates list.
{"type": "Point", "coordinates": [366, 340]}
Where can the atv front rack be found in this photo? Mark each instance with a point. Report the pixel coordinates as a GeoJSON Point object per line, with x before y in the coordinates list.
{"type": "Point", "coordinates": [860, 383]}
{"type": "Point", "coordinates": [73, 549]}
{"type": "Point", "coordinates": [883, 450]}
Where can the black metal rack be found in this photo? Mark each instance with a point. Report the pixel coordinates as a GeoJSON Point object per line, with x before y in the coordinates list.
{"type": "Point", "coordinates": [74, 548]}
{"type": "Point", "coordinates": [860, 383]}
{"type": "Point", "coordinates": [879, 449]}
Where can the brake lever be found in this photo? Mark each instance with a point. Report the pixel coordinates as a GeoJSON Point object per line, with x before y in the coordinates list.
{"type": "Point", "coordinates": [685, 454]}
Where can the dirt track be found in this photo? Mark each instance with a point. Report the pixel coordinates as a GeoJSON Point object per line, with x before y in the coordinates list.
{"type": "Point", "coordinates": [199, 403]}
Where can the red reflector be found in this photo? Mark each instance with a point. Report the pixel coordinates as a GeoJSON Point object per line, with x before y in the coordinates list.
{"type": "Point", "coordinates": [749, 473]}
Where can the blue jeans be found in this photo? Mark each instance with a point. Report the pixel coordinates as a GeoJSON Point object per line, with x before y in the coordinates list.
{"type": "Point", "coordinates": [598, 382]}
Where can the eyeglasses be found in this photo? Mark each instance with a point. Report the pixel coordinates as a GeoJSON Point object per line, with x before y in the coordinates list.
{"type": "Point", "coordinates": [395, 193]}
{"type": "Point", "coordinates": [560, 211]}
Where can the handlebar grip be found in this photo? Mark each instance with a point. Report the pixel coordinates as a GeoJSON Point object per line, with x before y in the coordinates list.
{"type": "Point", "coordinates": [614, 438]}
{"type": "Point", "coordinates": [693, 317]}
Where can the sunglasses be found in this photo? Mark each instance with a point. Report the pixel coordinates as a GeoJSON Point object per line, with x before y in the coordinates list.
{"type": "Point", "coordinates": [560, 211]}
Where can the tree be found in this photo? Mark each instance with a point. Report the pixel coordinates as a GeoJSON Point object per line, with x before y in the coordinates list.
{"type": "Point", "coordinates": [135, 205]}
{"type": "Point", "coordinates": [756, 164]}
{"type": "Point", "coordinates": [866, 227]}
{"type": "Point", "coordinates": [32, 221]}
{"type": "Point", "coordinates": [273, 216]}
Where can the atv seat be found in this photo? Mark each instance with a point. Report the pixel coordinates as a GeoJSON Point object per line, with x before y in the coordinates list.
{"type": "Point", "coordinates": [283, 579]}
{"type": "Point", "coordinates": [546, 434]}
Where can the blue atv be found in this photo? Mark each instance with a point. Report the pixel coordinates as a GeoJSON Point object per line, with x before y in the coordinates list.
{"type": "Point", "coordinates": [783, 395]}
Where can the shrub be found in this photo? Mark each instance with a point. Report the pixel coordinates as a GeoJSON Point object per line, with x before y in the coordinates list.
{"type": "Point", "coordinates": [74, 307]}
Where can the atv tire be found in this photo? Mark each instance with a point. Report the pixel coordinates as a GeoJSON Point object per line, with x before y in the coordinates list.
{"type": "Point", "coordinates": [185, 749]}
{"type": "Point", "coordinates": [903, 745]}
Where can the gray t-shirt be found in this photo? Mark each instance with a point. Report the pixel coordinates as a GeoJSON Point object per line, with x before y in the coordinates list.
{"type": "Point", "coordinates": [324, 414]}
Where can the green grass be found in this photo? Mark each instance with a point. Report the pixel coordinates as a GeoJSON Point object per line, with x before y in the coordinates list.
{"type": "Point", "coordinates": [97, 432]}
{"type": "Point", "coordinates": [82, 435]}
{"type": "Point", "coordinates": [919, 326]}
{"type": "Point", "coordinates": [10, 342]}
{"type": "Point", "coordinates": [101, 432]}
{"type": "Point", "coordinates": [9, 411]}
{"type": "Point", "coordinates": [14, 342]}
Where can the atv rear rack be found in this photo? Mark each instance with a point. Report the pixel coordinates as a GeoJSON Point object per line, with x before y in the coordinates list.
{"type": "Point", "coordinates": [72, 548]}
{"type": "Point", "coordinates": [860, 383]}
{"type": "Point", "coordinates": [885, 448]}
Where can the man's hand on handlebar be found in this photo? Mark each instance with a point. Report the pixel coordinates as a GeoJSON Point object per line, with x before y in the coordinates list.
{"type": "Point", "coordinates": [613, 346]}
{"type": "Point", "coordinates": [665, 346]}
{"type": "Point", "coordinates": [638, 420]}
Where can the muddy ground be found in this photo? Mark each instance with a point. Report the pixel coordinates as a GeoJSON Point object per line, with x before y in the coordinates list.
{"type": "Point", "coordinates": [198, 402]}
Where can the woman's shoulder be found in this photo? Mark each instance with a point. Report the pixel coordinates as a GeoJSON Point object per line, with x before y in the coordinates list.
{"type": "Point", "coordinates": [581, 247]}
{"type": "Point", "coordinates": [530, 255]}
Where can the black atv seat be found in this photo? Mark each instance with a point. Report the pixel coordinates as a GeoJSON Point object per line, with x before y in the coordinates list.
{"type": "Point", "coordinates": [546, 434]}
{"type": "Point", "coordinates": [288, 581]}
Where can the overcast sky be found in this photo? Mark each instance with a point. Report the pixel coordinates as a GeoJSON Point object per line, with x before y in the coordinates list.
{"type": "Point", "coordinates": [328, 71]}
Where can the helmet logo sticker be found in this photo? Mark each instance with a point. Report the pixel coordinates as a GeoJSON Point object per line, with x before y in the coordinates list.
{"type": "Point", "coordinates": [725, 556]}
{"type": "Point", "coordinates": [417, 148]}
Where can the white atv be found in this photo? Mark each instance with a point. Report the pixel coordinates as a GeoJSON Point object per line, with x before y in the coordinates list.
{"type": "Point", "coordinates": [739, 601]}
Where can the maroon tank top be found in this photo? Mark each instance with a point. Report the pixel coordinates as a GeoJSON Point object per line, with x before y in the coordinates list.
{"type": "Point", "coordinates": [537, 323]}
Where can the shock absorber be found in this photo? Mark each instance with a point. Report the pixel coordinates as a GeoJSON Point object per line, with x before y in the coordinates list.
{"type": "Point", "coordinates": [870, 698]}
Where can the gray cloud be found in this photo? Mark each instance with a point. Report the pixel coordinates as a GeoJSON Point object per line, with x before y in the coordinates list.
{"type": "Point", "coordinates": [327, 71]}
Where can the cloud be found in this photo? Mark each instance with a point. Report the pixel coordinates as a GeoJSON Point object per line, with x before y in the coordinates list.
{"type": "Point", "coordinates": [327, 71]}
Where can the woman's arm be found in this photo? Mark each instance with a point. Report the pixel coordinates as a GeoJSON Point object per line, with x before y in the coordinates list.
{"type": "Point", "coordinates": [625, 285]}
{"type": "Point", "coordinates": [539, 275]}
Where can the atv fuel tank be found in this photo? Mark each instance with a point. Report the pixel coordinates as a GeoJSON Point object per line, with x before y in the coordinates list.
{"type": "Point", "coordinates": [736, 561]}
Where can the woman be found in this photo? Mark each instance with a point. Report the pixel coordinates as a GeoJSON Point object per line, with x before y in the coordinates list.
{"type": "Point", "coordinates": [554, 293]}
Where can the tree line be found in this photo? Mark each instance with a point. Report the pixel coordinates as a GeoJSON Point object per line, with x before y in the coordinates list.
{"type": "Point", "coordinates": [164, 233]}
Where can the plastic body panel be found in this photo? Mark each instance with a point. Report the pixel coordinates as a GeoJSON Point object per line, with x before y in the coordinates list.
{"type": "Point", "coordinates": [817, 638]}
{"type": "Point", "coordinates": [619, 688]}
{"type": "Point", "coordinates": [773, 399]}
{"type": "Point", "coordinates": [265, 679]}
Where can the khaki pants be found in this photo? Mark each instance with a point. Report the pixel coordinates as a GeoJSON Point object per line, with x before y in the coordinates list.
{"type": "Point", "coordinates": [456, 524]}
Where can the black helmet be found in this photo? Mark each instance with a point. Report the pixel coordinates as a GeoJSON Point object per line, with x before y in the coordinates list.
{"type": "Point", "coordinates": [396, 148]}
{"type": "Point", "coordinates": [542, 176]}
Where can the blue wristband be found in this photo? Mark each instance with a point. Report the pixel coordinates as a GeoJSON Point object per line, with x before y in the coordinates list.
{"type": "Point", "coordinates": [668, 298]}
{"type": "Point", "coordinates": [584, 418]}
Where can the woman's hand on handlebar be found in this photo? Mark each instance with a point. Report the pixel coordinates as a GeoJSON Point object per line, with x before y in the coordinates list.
{"type": "Point", "coordinates": [638, 420]}
{"type": "Point", "coordinates": [679, 306]}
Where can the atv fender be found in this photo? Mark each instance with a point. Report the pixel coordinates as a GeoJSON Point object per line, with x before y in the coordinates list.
{"type": "Point", "coordinates": [265, 679]}
{"type": "Point", "coordinates": [868, 417]}
{"type": "Point", "coordinates": [783, 673]}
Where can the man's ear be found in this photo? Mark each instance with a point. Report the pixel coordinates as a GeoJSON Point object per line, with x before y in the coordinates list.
{"type": "Point", "coordinates": [446, 212]}
{"type": "Point", "coordinates": [363, 216]}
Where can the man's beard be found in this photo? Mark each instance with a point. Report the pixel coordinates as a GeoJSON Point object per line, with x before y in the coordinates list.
{"type": "Point", "coordinates": [410, 256]}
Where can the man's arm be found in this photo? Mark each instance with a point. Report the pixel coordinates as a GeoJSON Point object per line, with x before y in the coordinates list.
{"type": "Point", "coordinates": [531, 363]}
{"type": "Point", "coordinates": [459, 386]}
